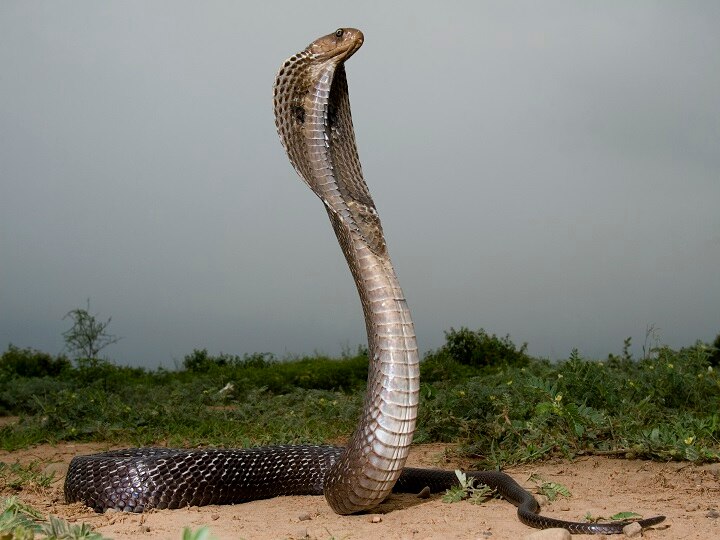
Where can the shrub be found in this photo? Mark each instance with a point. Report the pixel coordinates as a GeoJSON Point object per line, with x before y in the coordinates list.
{"type": "Point", "coordinates": [200, 361]}
{"type": "Point", "coordinates": [478, 348]}
{"type": "Point", "coordinates": [467, 350]}
{"type": "Point", "coordinates": [16, 362]}
{"type": "Point", "coordinates": [715, 354]}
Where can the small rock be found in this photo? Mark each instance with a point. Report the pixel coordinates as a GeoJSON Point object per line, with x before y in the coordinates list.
{"type": "Point", "coordinates": [302, 533]}
{"type": "Point", "coordinates": [565, 508]}
{"type": "Point", "coordinates": [549, 534]}
{"type": "Point", "coordinates": [214, 517]}
{"type": "Point", "coordinates": [542, 500]}
{"type": "Point", "coordinates": [305, 517]}
{"type": "Point", "coordinates": [713, 513]}
{"type": "Point", "coordinates": [376, 519]}
{"type": "Point", "coordinates": [424, 493]}
{"type": "Point", "coordinates": [143, 529]}
{"type": "Point", "coordinates": [692, 507]}
{"type": "Point", "coordinates": [632, 530]}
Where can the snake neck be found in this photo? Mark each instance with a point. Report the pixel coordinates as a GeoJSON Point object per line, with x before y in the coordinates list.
{"type": "Point", "coordinates": [373, 460]}
{"type": "Point", "coordinates": [378, 449]}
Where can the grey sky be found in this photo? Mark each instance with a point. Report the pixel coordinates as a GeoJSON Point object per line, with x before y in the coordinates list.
{"type": "Point", "coordinates": [549, 170]}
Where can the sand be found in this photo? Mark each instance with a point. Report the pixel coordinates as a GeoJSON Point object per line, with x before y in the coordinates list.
{"type": "Point", "coordinates": [687, 494]}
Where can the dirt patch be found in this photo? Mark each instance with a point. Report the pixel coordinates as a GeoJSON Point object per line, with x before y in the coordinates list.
{"type": "Point", "coordinates": [8, 420]}
{"type": "Point", "coordinates": [688, 495]}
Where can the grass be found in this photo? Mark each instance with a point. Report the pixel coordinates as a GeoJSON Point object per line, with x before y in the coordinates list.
{"type": "Point", "coordinates": [20, 521]}
{"type": "Point", "coordinates": [502, 405]}
{"type": "Point", "coordinates": [16, 476]}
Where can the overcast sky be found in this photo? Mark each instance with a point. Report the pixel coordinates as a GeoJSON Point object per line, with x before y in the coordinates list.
{"type": "Point", "coordinates": [548, 170]}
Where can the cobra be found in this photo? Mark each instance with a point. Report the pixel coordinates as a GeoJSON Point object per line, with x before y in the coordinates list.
{"type": "Point", "coordinates": [312, 115]}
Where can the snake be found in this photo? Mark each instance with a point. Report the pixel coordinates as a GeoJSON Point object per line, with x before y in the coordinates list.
{"type": "Point", "coordinates": [313, 120]}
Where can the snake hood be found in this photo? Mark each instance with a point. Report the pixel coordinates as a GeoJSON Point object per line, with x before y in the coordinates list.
{"type": "Point", "coordinates": [313, 119]}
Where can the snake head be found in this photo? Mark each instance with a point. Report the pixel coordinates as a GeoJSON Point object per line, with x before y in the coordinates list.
{"type": "Point", "coordinates": [340, 45]}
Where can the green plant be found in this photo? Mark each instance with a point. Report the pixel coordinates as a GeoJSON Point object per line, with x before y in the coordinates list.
{"type": "Point", "coordinates": [60, 529]}
{"type": "Point", "coordinates": [19, 521]}
{"type": "Point", "coordinates": [664, 407]}
{"type": "Point", "coordinates": [550, 489]}
{"type": "Point", "coordinates": [87, 336]}
{"type": "Point", "coordinates": [17, 476]}
{"type": "Point", "coordinates": [471, 352]}
{"type": "Point", "coordinates": [466, 489]}
{"type": "Point", "coordinates": [16, 362]}
{"type": "Point", "coordinates": [203, 533]}
{"type": "Point", "coordinates": [714, 358]}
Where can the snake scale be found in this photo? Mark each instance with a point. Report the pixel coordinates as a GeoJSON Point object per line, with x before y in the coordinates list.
{"type": "Point", "coordinates": [312, 115]}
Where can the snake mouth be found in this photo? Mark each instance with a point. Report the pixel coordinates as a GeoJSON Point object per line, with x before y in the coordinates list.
{"type": "Point", "coordinates": [338, 46]}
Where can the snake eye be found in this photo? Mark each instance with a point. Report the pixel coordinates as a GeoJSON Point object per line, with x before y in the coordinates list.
{"type": "Point", "coordinates": [339, 32]}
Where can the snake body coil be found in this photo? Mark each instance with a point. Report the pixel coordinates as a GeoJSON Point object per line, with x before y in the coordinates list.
{"type": "Point", "coordinates": [312, 115]}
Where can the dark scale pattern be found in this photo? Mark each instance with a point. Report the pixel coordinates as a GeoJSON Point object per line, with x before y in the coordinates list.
{"type": "Point", "coordinates": [137, 479]}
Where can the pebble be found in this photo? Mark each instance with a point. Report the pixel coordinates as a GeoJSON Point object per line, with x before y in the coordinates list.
{"type": "Point", "coordinates": [214, 517]}
{"type": "Point", "coordinates": [549, 534]}
{"type": "Point", "coordinates": [376, 519]}
{"type": "Point", "coordinates": [632, 530]}
{"type": "Point", "coordinates": [305, 517]}
{"type": "Point", "coordinates": [542, 500]}
{"type": "Point", "coordinates": [302, 533]}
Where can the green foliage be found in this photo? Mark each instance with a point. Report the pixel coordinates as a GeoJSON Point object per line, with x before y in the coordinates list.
{"type": "Point", "coordinates": [203, 533]}
{"type": "Point", "coordinates": [466, 489]}
{"type": "Point", "coordinates": [715, 352]}
{"type": "Point", "coordinates": [264, 370]}
{"type": "Point", "coordinates": [664, 406]}
{"type": "Point", "coordinates": [247, 402]}
{"type": "Point", "coordinates": [467, 351]}
{"type": "Point", "coordinates": [18, 477]}
{"type": "Point", "coordinates": [19, 521]}
{"type": "Point", "coordinates": [624, 516]}
{"type": "Point", "coordinates": [16, 362]}
{"type": "Point", "coordinates": [550, 489]}
{"type": "Point", "coordinates": [478, 348]}
{"type": "Point", "coordinates": [87, 336]}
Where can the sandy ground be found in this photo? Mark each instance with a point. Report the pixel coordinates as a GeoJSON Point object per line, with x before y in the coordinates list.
{"type": "Point", "coordinates": [688, 495]}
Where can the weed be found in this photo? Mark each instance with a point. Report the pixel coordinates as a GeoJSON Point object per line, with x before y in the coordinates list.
{"type": "Point", "coordinates": [550, 489]}
{"type": "Point", "coordinates": [466, 489]}
{"type": "Point", "coordinates": [622, 516]}
{"type": "Point", "coordinates": [20, 521]}
{"type": "Point", "coordinates": [203, 533]}
{"type": "Point", "coordinates": [18, 477]}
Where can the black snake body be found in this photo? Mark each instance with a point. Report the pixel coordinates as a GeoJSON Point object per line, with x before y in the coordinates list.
{"type": "Point", "coordinates": [312, 114]}
{"type": "Point", "coordinates": [138, 479]}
